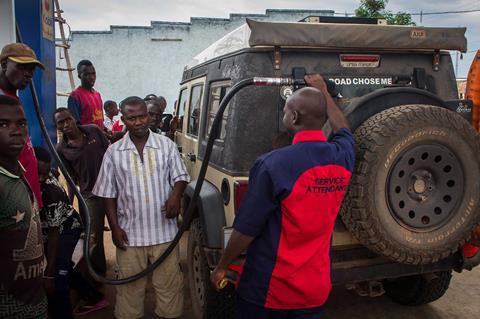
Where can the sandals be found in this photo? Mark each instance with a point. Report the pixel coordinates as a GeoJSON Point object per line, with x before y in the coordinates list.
{"type": "Point", "coordinates": [84, 309]}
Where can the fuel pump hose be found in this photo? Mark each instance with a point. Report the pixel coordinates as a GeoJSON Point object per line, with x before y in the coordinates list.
{"type": "Point", "coordinates": [188, 215]}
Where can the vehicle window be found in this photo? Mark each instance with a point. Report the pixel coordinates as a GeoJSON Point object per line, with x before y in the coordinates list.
{"type": "Point", "coordinates": [217, 92]}
{"type": "Point", "coordinates": [182, 101]}
{"type": "Point", "coordinates": [194, 110]}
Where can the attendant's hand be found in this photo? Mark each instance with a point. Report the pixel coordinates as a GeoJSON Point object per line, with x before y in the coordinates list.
{"type": "Point", "coordinates": [217, 276]}
{"type": "Point", "coordinates": [316, 81]}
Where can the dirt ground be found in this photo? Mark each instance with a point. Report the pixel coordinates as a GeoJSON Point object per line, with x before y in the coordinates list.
{"type": "Point", "coordinates": [462, 300]}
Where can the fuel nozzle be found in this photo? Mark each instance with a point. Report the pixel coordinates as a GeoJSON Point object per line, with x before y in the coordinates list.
{"type": "Point", "coordinates": [231, 277]}
{"type": "Point", "coordinates": [297, 81]}
{"type": "Point", "coordinates": [263, 81]}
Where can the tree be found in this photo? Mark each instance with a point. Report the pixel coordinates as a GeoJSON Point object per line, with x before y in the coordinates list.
{"type": "Point", "coordinates": [376, 9]}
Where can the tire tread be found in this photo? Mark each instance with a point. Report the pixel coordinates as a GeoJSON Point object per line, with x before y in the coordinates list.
{"type": "Point", "coordinates": [358, 214]}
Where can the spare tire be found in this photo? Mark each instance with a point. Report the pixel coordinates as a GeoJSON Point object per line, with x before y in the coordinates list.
{"type": "Point", "coordinates": [414, 195]}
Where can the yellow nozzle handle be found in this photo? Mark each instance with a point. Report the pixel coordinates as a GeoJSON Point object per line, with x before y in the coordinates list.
{"type": "Point", "coordinates": [223, 283]}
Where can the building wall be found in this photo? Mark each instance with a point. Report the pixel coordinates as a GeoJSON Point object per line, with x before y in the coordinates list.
{"type": "Point", "coordinates": [141, 60]}
{"type": "Point", "coordinates": [7, 22]}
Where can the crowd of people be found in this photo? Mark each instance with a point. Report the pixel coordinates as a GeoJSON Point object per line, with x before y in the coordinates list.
{"type": "Point", "coordinates": [126, 168]}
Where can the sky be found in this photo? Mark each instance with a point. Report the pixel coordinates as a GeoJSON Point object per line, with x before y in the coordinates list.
{"type": "Point", "coordinates": [100, 14]}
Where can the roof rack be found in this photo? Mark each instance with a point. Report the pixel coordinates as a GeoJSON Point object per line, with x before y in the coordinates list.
{"type": "Point", "coordinates": [346, 20]}
{"type": "Point", "coordinates": [355, 36]}
{"type": "Point", "coordinates": [334, 36]}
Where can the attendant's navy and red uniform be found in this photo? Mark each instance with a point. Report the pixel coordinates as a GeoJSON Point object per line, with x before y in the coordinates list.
{"type": "Point", "coordinates": [293, 198]}
{"type": "Point", "coordinates": [86, 106]}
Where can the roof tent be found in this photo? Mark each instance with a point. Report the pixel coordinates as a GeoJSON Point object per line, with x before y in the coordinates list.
{"type": "Point", "coordinates": [334, 35]}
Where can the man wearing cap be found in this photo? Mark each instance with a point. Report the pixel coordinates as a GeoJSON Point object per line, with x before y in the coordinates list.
{"type": "Point", "coordinates": [18, 62]}
{"type": "Point", "coordinates": [85, 103]}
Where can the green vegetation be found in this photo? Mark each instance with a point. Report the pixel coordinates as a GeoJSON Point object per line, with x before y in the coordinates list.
{"type": "Point", "coordinates": [376, 9]}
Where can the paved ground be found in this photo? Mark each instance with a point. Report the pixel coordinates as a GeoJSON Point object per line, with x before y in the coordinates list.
{"type": "Point", "coordinates": [461, 301]}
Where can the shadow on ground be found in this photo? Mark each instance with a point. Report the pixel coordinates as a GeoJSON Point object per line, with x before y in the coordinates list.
{"type": "Point", "coordinates": [462, 300]}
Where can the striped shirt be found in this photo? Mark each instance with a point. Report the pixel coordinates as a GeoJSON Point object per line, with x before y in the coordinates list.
{"type": "Point", "coordinates": [142, 188]}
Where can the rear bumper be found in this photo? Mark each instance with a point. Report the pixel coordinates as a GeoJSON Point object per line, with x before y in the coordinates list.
{"type": "Point", "coordinates": [379, 268]}
{"type": "Point", "coordinates": [385, 269]}
{"type": "Point", "coordinates": [359, 265]}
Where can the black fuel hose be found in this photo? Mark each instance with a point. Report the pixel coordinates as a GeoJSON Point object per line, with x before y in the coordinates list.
{"type": "Point", "coordinates": [214, 132]}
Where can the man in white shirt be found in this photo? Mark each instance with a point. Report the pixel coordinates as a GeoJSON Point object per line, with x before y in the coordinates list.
{"type": "Point", "coordinates": [142, 180]}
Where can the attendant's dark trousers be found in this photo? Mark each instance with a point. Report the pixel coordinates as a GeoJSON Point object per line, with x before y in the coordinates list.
{"type": "Point", "coordinates": [248, 310]}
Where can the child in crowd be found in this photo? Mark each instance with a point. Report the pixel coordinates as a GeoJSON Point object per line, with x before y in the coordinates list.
{"type": "Point", "coordinates": [111, 112]}
{"type": "Point", "coordinates": [61, 230]}
{"type": "Point", "coordinates": [118, 128]}
{"type": "Point", "coordinates": [21, 250]}
{"type": "Point", "coordinates": [111, 117]}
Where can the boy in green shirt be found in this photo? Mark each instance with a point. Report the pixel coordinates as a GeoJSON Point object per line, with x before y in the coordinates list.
{"type": "Point", "coordinates": [21, 250]}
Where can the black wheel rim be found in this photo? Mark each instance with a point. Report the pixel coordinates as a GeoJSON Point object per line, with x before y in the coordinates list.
{"type": "Point", "coordinates": [425, 186]}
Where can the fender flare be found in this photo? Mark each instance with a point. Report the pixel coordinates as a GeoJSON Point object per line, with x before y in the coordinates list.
{"type": "Point", "coordinates": [210, 212]}
{"type": "Point", "coordinates": [359, 110]}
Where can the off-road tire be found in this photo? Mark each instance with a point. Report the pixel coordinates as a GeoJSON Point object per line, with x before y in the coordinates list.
{"type": "Point", "coordinates": [392, 142]}
{"type": "Point", "coordinates": [419, 289]}
{"type": "Point", "coordinates": [207, 303]}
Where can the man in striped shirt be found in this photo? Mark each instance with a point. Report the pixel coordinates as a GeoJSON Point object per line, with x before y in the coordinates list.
{"type": "Point", "coordinates": [142, 180]}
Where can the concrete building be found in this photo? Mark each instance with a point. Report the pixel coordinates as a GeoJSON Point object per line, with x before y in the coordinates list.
{"type": "Point", "coordinates": [134, 60]}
